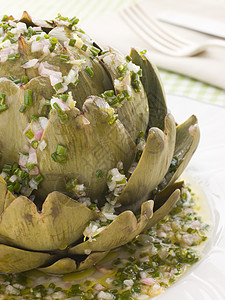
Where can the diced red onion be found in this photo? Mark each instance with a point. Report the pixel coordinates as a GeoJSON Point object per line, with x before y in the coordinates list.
{"type": "Point", "coordinates": [31, 63]}
{"type": "Point", "coordinates": [148, 281]}
{"type": "Point", "coordinates": [32, 156]}
{"type": "Point", "coordinates": [34, 171]}
{"type": "Point", "coordinates": [61, 104]}
{"type": "Point", "coordinates": [23, 160]}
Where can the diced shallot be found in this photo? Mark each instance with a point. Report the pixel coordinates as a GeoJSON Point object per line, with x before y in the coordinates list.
{"type": "Point", "coordinates": [60, 103]}
{"type": "Point", "coordinates": [147, 281]}
{"type": "Point", "coordinates": [32, 156]}
{"type": "Point", "coordinates": [23, 160]}
{"type": "Point", "coordinates": [31, 63]}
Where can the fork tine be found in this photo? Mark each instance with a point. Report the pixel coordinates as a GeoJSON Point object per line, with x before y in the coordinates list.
{"type": "Point", "coordinates": [166, 34]}
{"type": "Point", "coordinates": [148, 35]}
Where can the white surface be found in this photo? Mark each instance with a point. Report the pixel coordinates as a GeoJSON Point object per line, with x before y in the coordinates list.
{"type": "Point", "coordinates": [206, 279]}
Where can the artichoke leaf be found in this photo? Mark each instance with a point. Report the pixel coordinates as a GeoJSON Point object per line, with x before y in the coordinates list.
{"type": "Point", "coordinates": [62, 266]}
{"type": "Point", "coordinates": [13, 260]}
{"type": "Point", "coordinates": [134, 114]}
{"type": "Point", "coordinates": [122, 230]}
{"type": "Point", "coordinates": [164, 210]}
{"type": "Point", "coordinates": [93, 144]}
{"type": "Point", "coordinates": [91, 260]}
{"type": "Point", "coordinates": [26, 18]}
{"type": "Point", "coordinates": [152, 166]}
{"type": "Point", "coordinates": [14, 98]}
{"type": "Point", "coordinates": [57, 226]}
{"type": "Point", "coordinates": [6, 197]}
{"type": "Point", "coordinates": [41, 89]}
{"type": "Point", "coordinates": [187, 140]}
{"type": "Point", "coordinates": [153, 88]}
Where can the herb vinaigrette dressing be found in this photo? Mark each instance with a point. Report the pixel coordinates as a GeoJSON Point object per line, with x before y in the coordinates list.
{"type": "Point", "coordinates": [141, 269]}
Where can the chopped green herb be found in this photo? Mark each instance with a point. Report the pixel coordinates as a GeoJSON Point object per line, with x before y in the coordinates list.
{"type": "Point", "coordinates": [64, 57]}
{"type": "Point", "coordinates": [99, 174]}
{"type": "Point", "coordinates": [89, 71]}
{"type": "Point", "coordinates": [28, 97]}
{"type": "Point", "coordinates": [72, 42]}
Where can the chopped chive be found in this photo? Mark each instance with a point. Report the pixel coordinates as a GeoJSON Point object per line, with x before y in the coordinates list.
{"type": "Point", "coordinates": [22, 109]}
{"type": "Point", "coordinates": [113, 101]}
{"type": "Point", "coordinates": [76, 81]}
{"type": "Point", "coordinates": [61, 150]}
{"type": "Point", "coordinates": [128, 58]}
{"type": "Point", "coordinates": [81, 31]}
{"type": "Point", "coordinates": [58, 86]}
{"type": "Point", "coordinates": [12, 57]}
{"type": "Point", "coordinates": [112, 119]}
{"type": "Point", "coordinates": [71, 184]}
{"type": "Point", "coordinates": [30, 166]}
{"type": "Point", "coordinates": [38, 178]}
{"type": "Point", "coordinates": [2, 98]}
{"type": "Point", "coordinates": [16, 187]}
{"type": "Point", "coordinates": [24, 79]}
{"type": "Point", "coordinates": [143, 51]}
{"type": "Point", "coordinates": [53, 41]}
{"type": "Point", "coordinates": [64, 97]}
{"type": "Point", "coordinates": [56, 106]}
{"type": "Point", "coordinates": [54, 156]}
{"type": "Point", "coordinates": [89, 71]}
{"type": "Point", "coordinates": [104, 52]}
{"type": "Point", "coordinates": [34, 117]}
{"type": "Point", "coordinates": [109, 93]}
{"type": "Point", "coordinates": [28, 98]}
{"type": "Point", "coordinates": [64, 57]}
{"type": "Point", "coordinates": [99, 173]}
{"type": "Point", "coordinates": [84, 47]}
{"type": "Point", "coordinates": [72, 42]}
{"type": "Point", "coordinates": [120, 97]}
{"type": "Point", "coordinates": [13, 40]}
{"type": "Point", "coordinates": [140, 72]}
{"type": "Point", "coordinates": [95, 51]}
{"type": "Point", "coordinates": [29, 134]}
{"type": "Point", "coordinates": [3, 107]}
{"type": "Point", "coordinates": [4, 18]}
{"type": "Point", "coordinates": [34, 144]}
{"type": "Point", "coordinates": [123, 181]}
{"type": "Point", "coordinates": [7, 168]}
{"type": "Point", "coordinates": [48, 102]}
{"type": "Point", "coordinates": [63, 117]}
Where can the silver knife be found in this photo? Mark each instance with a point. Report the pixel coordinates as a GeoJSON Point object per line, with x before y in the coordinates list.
{"type": "Point", "coordinates": [194, 22]}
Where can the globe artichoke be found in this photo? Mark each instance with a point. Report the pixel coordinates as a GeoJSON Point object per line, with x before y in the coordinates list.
{"type": "Point", "coordinates": [87, 147]}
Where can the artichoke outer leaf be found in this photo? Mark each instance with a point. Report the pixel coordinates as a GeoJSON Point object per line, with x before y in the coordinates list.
{"type": "Point", "coordinates": [153, 88]}
{"type": "Point", "coordinates": [14, 98]}
{"type": "Point", "coordinates": [164, 210]}
{"type": "Point", "coordinates": [91, 260]}
{"type": "Point", "coordinates": [13, 260]}
{"type": "Point", "coordinates": [62, 266]}
{"type": "Point", "coordinates": [60, 223]}
{"type": "Point", "coordinates": [152, 166]}
{"type": "Point", "coordinates": [92, 144]}
{"type": "Point", "coordinates": [187, 140]}
{"type": "Point", "coordinates": [133, 114]}
{"type": "Point", "coordinates": [6, 197]}
{"type": "Point", "coordinates": [121, 231]}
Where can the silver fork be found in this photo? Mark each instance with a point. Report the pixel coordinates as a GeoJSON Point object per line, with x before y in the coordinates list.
{"type": "Point", "coordinates": [160, 38]}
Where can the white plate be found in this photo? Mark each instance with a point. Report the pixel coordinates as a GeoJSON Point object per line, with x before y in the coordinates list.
{"type": "Point", "coordinates": [206, 279]}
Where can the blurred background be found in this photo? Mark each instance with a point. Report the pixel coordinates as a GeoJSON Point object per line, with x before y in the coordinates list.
{"type": "Point", "coordinates": [100, 19]}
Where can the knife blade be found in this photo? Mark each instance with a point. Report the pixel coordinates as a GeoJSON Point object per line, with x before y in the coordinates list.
{"type": "Point", "coordinates": [194, 22]}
